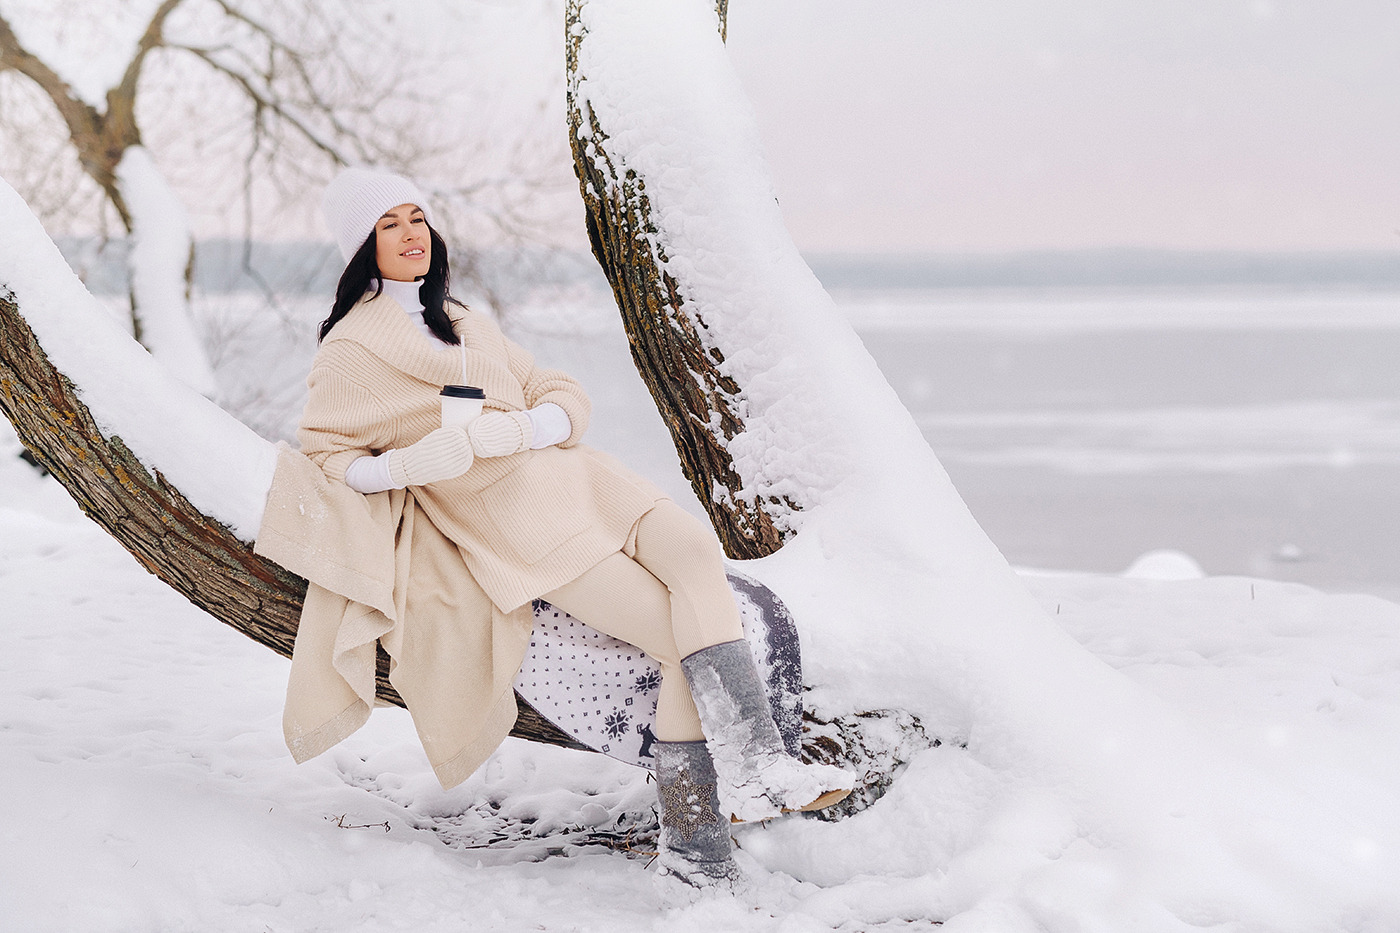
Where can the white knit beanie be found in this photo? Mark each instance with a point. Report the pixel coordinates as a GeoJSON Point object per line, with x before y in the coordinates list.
{"type": "Point", "coordinates": [356, 198]}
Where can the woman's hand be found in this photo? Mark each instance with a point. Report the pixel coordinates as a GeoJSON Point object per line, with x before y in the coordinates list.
{"type": "Point", "coordinates": [501, 433]}
{"type": "Point", "coordinates": [444, 454]}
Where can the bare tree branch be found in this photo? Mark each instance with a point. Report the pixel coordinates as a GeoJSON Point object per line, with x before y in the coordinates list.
{"type": "Point", "coordinates": [152, 38]}
{"type": "Point", "coordinates": [90, 130]}
{"type": "Point", "coordinates": [263, 100]}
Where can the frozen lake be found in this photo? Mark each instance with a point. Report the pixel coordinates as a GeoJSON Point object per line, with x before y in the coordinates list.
{"type": "Point", "coordinates": [1257, 430]}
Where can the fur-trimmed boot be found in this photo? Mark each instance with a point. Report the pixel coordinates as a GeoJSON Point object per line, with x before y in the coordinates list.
{"type": "Point", "coordinates": [695, 843]}
{"type": "Point", "coordinates": [758, 779]}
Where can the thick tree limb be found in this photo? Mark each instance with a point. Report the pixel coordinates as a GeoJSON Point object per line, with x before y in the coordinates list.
{"type": "Point", "coordinates": [681, 364]}
{"type": "Point", "coordinates": [171, 538]}
{"type": "Point", "coordinates": [678, 362]}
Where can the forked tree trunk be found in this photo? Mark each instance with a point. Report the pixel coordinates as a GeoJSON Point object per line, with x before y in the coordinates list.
{"type": "Point", "coordinates": [171, 538]}
{"type": "Point", "coordinates": [216, 571]}
{"type": "Point", "coordinates": [108, 145]}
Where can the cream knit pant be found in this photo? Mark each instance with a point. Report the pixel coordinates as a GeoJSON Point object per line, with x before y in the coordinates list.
{"type": "Point", "coordinates": [670, 600]}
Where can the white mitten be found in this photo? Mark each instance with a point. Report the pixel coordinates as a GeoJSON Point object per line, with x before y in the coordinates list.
{"type": "Point", "coordinates": [444, 454]}
{"type": "Point", "coordinates": [501, 433]}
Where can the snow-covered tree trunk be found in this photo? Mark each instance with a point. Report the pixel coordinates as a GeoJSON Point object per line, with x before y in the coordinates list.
{"type": "Point", "coordinates": [160, 263]}
{"type": "Point", "coordinates": [678, 358]}
{"type": "Point", "coordinates": [171, 537]}
{"type": "Point", "coordinates": [782, 419]}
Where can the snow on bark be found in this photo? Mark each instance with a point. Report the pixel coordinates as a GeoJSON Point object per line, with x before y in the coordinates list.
{"type": "Point", "coordinates": [160, 253]}
{"type": "Point", "coordinates": [683, 126]}
{"type": "Point", "coordinates": [902, 599]}
{"type": "Point", "coordinates": [219, 464]}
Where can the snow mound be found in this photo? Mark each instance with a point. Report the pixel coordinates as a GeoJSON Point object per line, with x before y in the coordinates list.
{"type": "Point", "coordinates": [1164, 564]}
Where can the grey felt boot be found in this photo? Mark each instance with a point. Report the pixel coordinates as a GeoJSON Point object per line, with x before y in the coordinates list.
{"type": "Point", "coordinates": [695, 844]}
{"type": "Point", "coordinates": [758, 779]}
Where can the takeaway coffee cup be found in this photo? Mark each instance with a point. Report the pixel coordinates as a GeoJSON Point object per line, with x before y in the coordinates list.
{"type": "Point", "coordinates": [461, 405]}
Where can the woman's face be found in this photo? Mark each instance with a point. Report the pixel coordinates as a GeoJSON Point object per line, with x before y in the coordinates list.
{"type": "Point", "coordinates": [402, 247]}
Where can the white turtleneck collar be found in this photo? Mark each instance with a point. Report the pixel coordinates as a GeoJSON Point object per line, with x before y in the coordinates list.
{"type": "Point", "coordinates": [406, 294]}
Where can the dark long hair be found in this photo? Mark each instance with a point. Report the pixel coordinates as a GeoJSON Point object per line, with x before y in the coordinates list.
{"type": "Point", "coordinates": [362, 269]}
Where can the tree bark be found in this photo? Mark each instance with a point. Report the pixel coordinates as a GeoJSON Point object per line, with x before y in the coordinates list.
{"type": "Point", "coordinates": [171, 538]}
{"type": "Point", "coordinates": [672, 350]}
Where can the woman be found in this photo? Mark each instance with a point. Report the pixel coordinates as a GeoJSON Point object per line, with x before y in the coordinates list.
{"type": "Point", "coordinates": [488, 518]}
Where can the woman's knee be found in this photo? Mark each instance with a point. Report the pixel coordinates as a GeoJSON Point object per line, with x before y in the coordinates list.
{"type": "Point", "coordinates": [670, 534]}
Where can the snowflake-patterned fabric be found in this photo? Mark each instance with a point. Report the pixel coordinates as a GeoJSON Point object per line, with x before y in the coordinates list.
{"type": "Point", "coordinates": [603, 691]}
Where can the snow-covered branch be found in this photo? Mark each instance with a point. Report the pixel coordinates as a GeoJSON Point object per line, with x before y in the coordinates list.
{"type": "Point", "coordinates": [161, 251]}
{"type": "Point", "coordinates": [174, 478]}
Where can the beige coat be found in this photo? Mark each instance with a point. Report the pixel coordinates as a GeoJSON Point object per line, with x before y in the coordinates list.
{"type": "Point", "coordinates": [525, 523]}
{"type": "Point", "coordinates": [441, 575]}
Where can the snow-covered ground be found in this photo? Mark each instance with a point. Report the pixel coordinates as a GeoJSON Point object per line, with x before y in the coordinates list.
{"type": "Point", "coordinates": [146, 786]}
{"type": "Point", "coordinates": [1155, 751]}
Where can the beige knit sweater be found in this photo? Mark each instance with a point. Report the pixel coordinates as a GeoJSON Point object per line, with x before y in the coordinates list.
{"type": "Point", "coordinates": [526, 523]}
{"type": "Point", "coordinates": [440, 575]}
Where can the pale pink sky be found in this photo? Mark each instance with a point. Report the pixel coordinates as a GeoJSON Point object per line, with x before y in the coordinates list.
{"type": "Point", "coordinates": [1012, 124]}
{"type": "Point", "coordinates": [956, 125]}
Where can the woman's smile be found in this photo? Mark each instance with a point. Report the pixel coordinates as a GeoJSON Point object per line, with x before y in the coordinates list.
{"type": "Point", "coordinates": [403, 249]}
